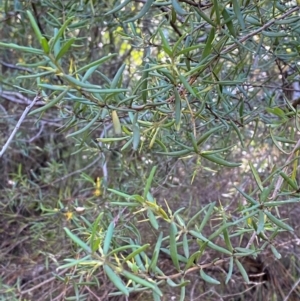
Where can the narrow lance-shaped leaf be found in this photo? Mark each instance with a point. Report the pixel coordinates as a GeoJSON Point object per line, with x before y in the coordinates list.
{"type": "Point", "coordinates": [118, 7]}
{"type": "Point", "coordinates": [136, 252]}
{"type": "Point", "coordinates": [177, 109]}
{"type": "Point", "coordinates": [278, 222]}
{"type": "Point", "coordinates": [256, 176]}
{"type": "Point", "coordinates": [242, 270]}
{"type": "Point", "coordinates": [144, 86]}
{"type": "Point", "coordinates": [228, 22]}
{"type": "Point", "coordinates": [35, 26]}
{"type": "Point", "coordinates": [230, 269]}
{"type": "Point", "coordinates": [149, 181]}
{"type": "Point", "coordinates": [96, 63]}
{"type": "Point", "coordinates": [60, 32]}
{"type": "Point", "coordinates": [87, 127]}
{"type": "Point", "coordinates": [173, 245]}
{"type": "Point", "coordinates": [220, 161]}
{"type": "Point", "coordinates": [155, 254]}
{"type": "Point", "coordinates": [77, 240]}
{"type": "Point", "coordinates": [141, 281]}
{"type": "Point", "coordinates": [177, 7]}
{"type": "Point", "coordinates": [207, 278]}
{"type": "Point", "coordinates": [208, 46]}
{"type": "Point", "coordinates": [116, 122]}
{"type": "Point", "coordinates": [21, 48]}
{"type": "Point", "coordinates": [108, 237]}
{"type": "Point", "coordinates": [115, 279]}
{"type": "Point", "coordinates": [143, 11]}
{"type": "Point", "coordinates": [136, 135]}
{"type": "Point", "coordinates": [65, 48]}
{"type": "Point", "coordinates": [50, 104]}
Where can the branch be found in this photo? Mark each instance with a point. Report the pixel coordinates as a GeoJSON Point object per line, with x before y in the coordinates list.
{"type": "Point", "coordinates": [38, 97]}
{"type": "Point", "coordinates": [11, 66]}
{"type": "Point", "coordinates": [17, 97]}
{"type": "Point", "coordinates": [255, 32]}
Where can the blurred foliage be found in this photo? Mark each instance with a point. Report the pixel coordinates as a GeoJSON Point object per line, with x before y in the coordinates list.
{"type": "Point", "coordinates": [143, 110]}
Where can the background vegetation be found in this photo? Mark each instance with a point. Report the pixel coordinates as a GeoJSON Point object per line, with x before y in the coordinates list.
{"type": "Point", "coordinates": [159, 159]}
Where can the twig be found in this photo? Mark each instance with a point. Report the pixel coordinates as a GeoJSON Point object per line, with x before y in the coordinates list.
{"type": "Point", "coordinates": [74, 172]}
{"type": "Point", "coordinates": [280, 179]}
{"type": "Point", "coordinates": [11, 66]}
{"type": "Point", "coordinates": [292, 289]}
{"type": "Point", "coordinates": [255, 32]}
{"type": "Point", "coordinates": [18, 98]}
{"type": "Point", "coordinates": [42, 283]}
{"type": "Point", "coordinates": [38, 97]}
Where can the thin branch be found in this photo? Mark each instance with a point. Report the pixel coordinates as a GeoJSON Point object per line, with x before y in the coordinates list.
{"type": "Point", "coordinates": [18, 98]}
{"type": "Point", "coordinates": [255, 32]}
{"type": "Point", "coordinates": [26, 111]}
{"type": "Point", "coordinates": [12, 66]}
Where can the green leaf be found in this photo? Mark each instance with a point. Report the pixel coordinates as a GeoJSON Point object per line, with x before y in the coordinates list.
{"type": "Point", "coordinates": [60, 33]}
{"type": "Point", "coordinates": [116, 122]}
{"type": "Point", "coordinates": [177, 109]}
{"type": "Point", "coordinates": [208, 46]}
{"type": "Point", "coordinates": [115, 279]}
{"type": "Point", "coordinates": [275, 252]}
{"type": "Point", "coordinates": [207, 216]}
{"type": "Point", "coordinates": [290, 181]}
{"type": "Point", "coordinates": [136, 137]}
{"type": "Point", "coordinates": [185, 245]}
{"type": "Point", "coordinates": [152, 219]}
{"type": "Point", "coordinates": [65, 48]}
{"type": "Point", "coordinates": [238, 14]}
{"type": "Point", "coordinates": [278, 222]}
{"type": "Point", "coordinates": [45, 45]}
{"type": "Point", "coordinates": [220, 161]}
{"type": "Point", "coordinates": [165, 43]}
{"type": "Point", "coordinates": [207, 278]}
{"type": "Point", "coordinates": [154, 259]}
{"type": "Point", "coordinates": [173, 245]}
{"type": "Point", "coordinates": [141, 281]}
{"type": "Point", "coordinates": [216, 9]}
{"type": "Point", "coordinates": [108, 237]}
{"type": "Point", "coordinates": [261, 222]}
{"type": "Point", "coordinates": [87, 127]}
{"type": "Point", "coordinates": [35, 26]}
{"type": "Point", "coordinates": [96, 63]}
{"type": "Point", "coordinates": [144, 86]}
{"type": "Point", "coordinates": [192, 260]}
{"type": "Point", "coordinates": [50, 104]}
{"type": "Point", "coordinates": [228, 22]}
{"type": "Point", "coordinates": [143, 11]}
{"type": "Point", "coordinates": [21, 48]}
{"type": "Point", "coordinates": [94, 242]}
{"type": "Point", "coordinates": [149, 182]}
{"type": "Point", "coordinates": [136, 252]}
{"type": "Point", "coordinates": [179, 10]}
{"type": "Point", "coordinates": [242, 270]}
{"type": "Point", "coordinates": [230, 269]}
{"type": "Point", "coordinates": [77, 240]}
{"type": "Point", "coordinates": [117, 8]}
{"type": "Point", "coordinates": [118, 77]}
{"type": "Point", "coordinates": [256, 176]}
{"type": "Point", "coordinates": [247, 197]}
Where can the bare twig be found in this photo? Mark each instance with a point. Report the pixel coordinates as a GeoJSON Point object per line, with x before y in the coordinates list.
{"type": "Point", "coordinates": [11, 66]}
{"type": "Point", "coordinates": [18, 98]}
{"type": "Point", "coordinates": [280, 179]}
{"type": "Point", "coordinates": [255, 32]}
{"type": "Point", "coordinates": [293, 288]}
{"type": "Point", "coordinates": [38, 97]}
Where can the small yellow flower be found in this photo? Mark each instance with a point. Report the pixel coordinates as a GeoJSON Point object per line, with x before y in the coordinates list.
{"type": "Point", "coordinates": [68, 215]}
{"type": "Point", "coordinates": [97, 191]}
